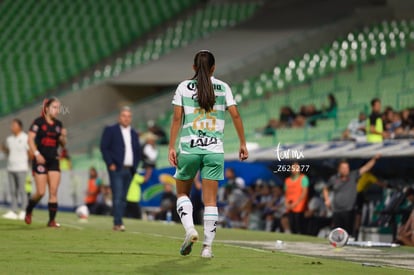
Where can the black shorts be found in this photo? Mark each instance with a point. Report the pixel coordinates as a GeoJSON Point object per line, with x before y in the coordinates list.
{"type": "Point", "coordinates": [50, 165]}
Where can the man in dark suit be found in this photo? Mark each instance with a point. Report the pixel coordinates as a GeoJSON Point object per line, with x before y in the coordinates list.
{"type": "Point", "coordinates": [120, 149]}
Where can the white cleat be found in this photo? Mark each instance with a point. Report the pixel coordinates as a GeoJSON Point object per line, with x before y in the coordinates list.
{"type": "Point", "coordinates": [206, 252]}
{"type": "Point", "coordinates": [21, 216]}
{"type": "Point", "coordinates": [190, 238]}
{"type": "Point", "coordinates": [10, 215]}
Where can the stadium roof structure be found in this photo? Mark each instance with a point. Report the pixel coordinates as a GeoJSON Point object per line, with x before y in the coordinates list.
{"type": "Point", "coordinates": [340, 149]}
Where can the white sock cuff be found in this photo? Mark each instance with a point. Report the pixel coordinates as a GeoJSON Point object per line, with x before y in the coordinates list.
{"type": "Point", "coordinates": [183, 201]}
{"type": "Point", "coordinates": [210, 213]}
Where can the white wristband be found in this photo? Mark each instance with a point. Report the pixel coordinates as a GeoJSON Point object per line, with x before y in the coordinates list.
{"type": "Point", "coordinates": [36, 153]}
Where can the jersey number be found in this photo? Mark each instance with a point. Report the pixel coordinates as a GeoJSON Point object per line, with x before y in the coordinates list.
{"type": "Point", "coordinates": [208, 123]}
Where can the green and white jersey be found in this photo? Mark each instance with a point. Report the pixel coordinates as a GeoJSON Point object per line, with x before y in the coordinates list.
{"type": "Point", "coordinates": [202, 133]}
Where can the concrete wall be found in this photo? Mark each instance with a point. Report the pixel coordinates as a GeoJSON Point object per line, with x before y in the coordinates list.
{"type": "Point", "coordinates": [95, 101]}
{"type": "Point", "coordinates": [403, 9]}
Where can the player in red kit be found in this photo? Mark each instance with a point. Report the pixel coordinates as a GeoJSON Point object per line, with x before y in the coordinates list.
{"type": "Point", "coordinates": [45, 135]}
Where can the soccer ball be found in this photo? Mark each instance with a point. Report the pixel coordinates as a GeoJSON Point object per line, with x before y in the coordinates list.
{"type": "Point", "coordinates": [338, 237]}
{"type": "Point", "coordinates": [82, 212]}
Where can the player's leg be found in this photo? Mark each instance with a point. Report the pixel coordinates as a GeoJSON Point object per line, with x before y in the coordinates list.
{"type": "Point", "coordinates": [337, 220]}
{"type": "Point", "coordinates": [53, 182]}
{"type": "Point", "coordinates": [40, 178]}
{"type": "Point", "coordinates": [21, 190]}
{"type": "Point", "coordinates": [292, 222]}
{"type": "Point", "coordinates": [212, 171]}
{"type": "Point", "coordinates": [301, 223]}
{"type": "Point", "coordinates": [187, 168]}
{"type": "Point", "coordinates": [126, 178]}
{"type": "Point", "coordinates": [284, 221]}
{"type": "Point", "coordinates": [210, 188]}
{"type": "Point", "coordinates": [185, 212]}
{"type": "Point", "coordinates": [349, 222]}
{"type": "Point", "coordinates": [115, 178]}
{"type": "Point", "coordinates": [269, 222]}
{"type": "Point", "coordinates": [135, 210]}
{"type": "Point", "coordinates": [184, 204]}
{"type": "Point", "coordinates": [13, 195]}
{"type": "Point", "coordinates": [358, 214]}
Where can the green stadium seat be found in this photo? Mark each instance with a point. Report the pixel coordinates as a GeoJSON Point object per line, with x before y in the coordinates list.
{"type": "Point", "coordinates": [390, 76]}
{"type": "Point", "coordinates": [74, 36]}
{"type": "Point", "coordinates": [405, 99]}
{"type": "Point", "coordinates": [205, 20]}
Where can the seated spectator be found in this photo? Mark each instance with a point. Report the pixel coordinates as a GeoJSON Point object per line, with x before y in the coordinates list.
{"type": "Point", "coordinates": [356, 129]}
{"type": "Point", "coordinates": [269, 128]}
{"type": "Point", "coordinates": [406, 127]}
{"type": "Point", "coordinates": [324, 113]}
{"type": "Point", "coordinates": [235, 211]}
{"type": "Point", "coordinates": [264, 200]}
{"type": "Point", "coordinates": [316, 213]}
{"type": "Point", "coordinates": [308, 114]}
{"type": "Point", "coordinates": [103, 204]}
{"type": "Point", "coordinates": [387, 117]}
{"type": "Point", "coordinates": [94, 188]}
{"type": "Point", "coordinates": [252, 216]}
{"type": "Point", "coordinates": [275, 212]}
{"type": "Point", "coordinates": [158, 131]}
{"type": "Point", "coordinates": [308, 110]}
{"type": "Point", "coordinates": [149, 154]}
{"type": "Point", "coordinates": [231, 182]}
{"type": "Point", "coordinates": [287, 117]}
{"type": "Point", "coordinates": [395, 128]}
{"type": "Point", "coordinates": [407, 121]}
{"type": "Point", "coordinates": [168, 202]}
{"type": "Point", "coordinates": [232, 200]}
{"type": "Point", "coordinates": [331, 110]}
{"type": "Point", "coordinates": [398, 125]}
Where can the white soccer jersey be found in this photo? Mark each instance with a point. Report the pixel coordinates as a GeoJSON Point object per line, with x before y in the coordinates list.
{"type": "Point", "coordinates": [18, 159]}
{"type": "Point", "coordinates": [202, 133]}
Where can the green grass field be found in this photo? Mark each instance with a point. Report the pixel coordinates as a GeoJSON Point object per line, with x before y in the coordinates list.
{"type": "Point", "coordinates": [150, 248]}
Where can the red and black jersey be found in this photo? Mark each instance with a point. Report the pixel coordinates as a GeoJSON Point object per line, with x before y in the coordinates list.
{"type": "Point", "coordinates": [47, 136]}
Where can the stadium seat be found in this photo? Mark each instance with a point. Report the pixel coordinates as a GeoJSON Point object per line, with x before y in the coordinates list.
{"type": "Point", "coordinates": [405, 99]}
{"type": "Point", "coordinates": [390, 79]}
{"type": "Point", "coordinates": [43, 52]}
{"type": "Point", "coordinates": [205, 20]}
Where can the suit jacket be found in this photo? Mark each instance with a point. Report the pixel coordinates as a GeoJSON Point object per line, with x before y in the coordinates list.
{"type": "Point", "coordinates": [113, 147]}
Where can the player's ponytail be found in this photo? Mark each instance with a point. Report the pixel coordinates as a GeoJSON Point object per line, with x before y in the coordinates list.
{"type": "Point", "coordinates": [43, 112]}
{"type": "Point", "coordinates": [203, 64]}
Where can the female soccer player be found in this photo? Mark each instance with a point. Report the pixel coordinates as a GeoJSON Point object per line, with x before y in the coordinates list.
{"type": "Point", "coordinates": [45, 136]}
{"type": "Point", "coordinates": [199, 108]}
